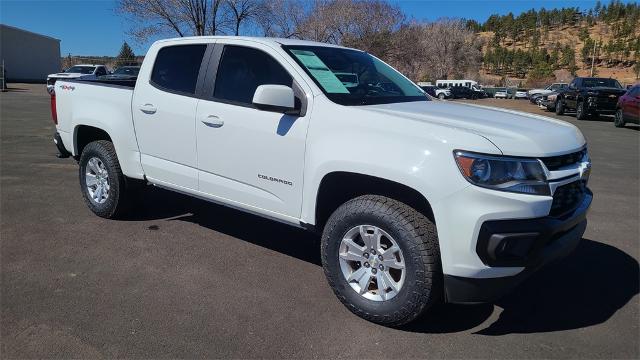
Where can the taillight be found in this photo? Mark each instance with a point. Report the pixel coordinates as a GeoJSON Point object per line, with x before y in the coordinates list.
{"type": "Point", "coordinates": [54, 112]}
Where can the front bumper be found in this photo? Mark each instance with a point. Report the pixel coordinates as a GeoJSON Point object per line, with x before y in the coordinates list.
{"type": "Point", "coordinates": [528, 243]}
{"type": "Point", "coordinates": [602, 105]}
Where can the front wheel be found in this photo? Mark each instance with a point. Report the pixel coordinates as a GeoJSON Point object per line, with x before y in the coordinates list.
{"type": "Point", "coordinates": [441, 96]}
{"type": "Point", "coordinates": [559, 107]}
{"type": "Point", "coordinates": [581, 113]}
{"type": "Point", "coordinates": [382, 260]}
{"type": "Point", "coordinates": [618, 120]}
{"type": "Point", "coordinates": [101, 180]}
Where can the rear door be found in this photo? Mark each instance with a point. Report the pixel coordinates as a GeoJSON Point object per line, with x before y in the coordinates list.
{"type": "Point", "coordinates": [164, 110]}
{"type": "Point", "coordinates": [251, 157]}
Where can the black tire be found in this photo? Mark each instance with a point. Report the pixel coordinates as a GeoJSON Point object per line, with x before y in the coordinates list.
{"type": "Point", "coordinates": [581, 113]}
{"type": "Point", "coordinates": [559, 107]}
{"type": "Point", "coordinates": [474, 97]}
{"type": "Point", "coordinates": [618, 119]}
{"type": "Point", "coordinates": [117, 203]}
{"type": "Point", "coordinates": [441, 96]}
{"type": "Point", "coordinates": [417, 238]}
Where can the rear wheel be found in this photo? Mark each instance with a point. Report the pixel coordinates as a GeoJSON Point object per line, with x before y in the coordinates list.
{"type": "Point", "coordinates": [618, 120]}
{"type": "Point", "coordinates": [103, 185]}
{"type": "Point", "coordinates": [581, 113]}
{"type": "Point", "coordinates": [382, 260]}
{"type": "Point", "coordinates": [559, 107]}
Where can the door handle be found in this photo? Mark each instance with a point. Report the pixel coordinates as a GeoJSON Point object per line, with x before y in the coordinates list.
{"type": "Point", "coordinates": [148, 109]}
{"type": "Point", "coordinates": [213, 121]}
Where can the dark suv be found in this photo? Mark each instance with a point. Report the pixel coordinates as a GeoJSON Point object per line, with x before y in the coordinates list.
{"type": "Point", "coordinates": [460, 92]}
{"type": "Point", "coordinates": [590, 96]}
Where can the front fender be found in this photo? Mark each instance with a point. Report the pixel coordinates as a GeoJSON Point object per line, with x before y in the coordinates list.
{"type": "Point", "coordinates": [411, 153]}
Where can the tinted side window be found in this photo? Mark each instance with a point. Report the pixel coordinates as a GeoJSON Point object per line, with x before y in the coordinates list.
{"type": "Point", "coordinates": [177, 67]}
{"type": "Point", "coordinates": [101, 71]}
{"type": "Point", "coordinates": [242, 70]}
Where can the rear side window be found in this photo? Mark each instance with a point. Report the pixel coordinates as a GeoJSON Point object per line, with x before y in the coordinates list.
{"type": "Point", "coordinates": [242, 70]}
{"type": "Point", "coordinates": [177, 67]}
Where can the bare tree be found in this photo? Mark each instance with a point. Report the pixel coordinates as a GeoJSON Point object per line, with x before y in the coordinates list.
{"type": "Point", "coordinates": [151, 18]}
{"type": "Point", "coordinates": [241, 11]}
{"type": "Point", "coordinates": [282, 18]}
{"type": "Point", "coordinates": [358, 23]}
{"type": "Point", "coordinates": [437, 50]}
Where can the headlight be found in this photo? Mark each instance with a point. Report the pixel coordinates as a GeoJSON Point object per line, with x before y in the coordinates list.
{"type": "Point", "coordinates": [520, 175]}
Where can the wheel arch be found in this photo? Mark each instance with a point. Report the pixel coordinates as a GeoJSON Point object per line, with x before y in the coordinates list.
{"type": "Point", "coordinates": [84, 134]}
{"type": "Point", "coordinates": [338, 187]}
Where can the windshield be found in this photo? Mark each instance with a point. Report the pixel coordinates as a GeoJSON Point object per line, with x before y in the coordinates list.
{"type": "Point", "coordinates": [597, 82]}
{"type": "Point", "coordinates": [132, 71]}
{"type": "Point", "coordinates": [80, 69]}
{"type": "Point", "coordinates": [351, 77]}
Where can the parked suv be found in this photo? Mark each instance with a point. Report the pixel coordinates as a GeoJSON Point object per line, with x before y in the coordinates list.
{"type": "Point", "coordinates": [417, 201]}
{"type": "Point", "coordinates": [628, 107]}
{"type": "Point", "coordinates": [590, 96]}
{"type": "Point", "coordinates": [463, 92]}
{"type": "Point", "coordinates": [437, 92]}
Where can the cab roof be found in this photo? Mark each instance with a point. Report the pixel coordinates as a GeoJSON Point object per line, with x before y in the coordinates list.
{"type": "Point", "coordinates": [263, 40]}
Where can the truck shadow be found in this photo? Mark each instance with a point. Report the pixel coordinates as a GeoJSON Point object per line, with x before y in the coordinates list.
{"type": "Point", "coordinates": [582, 290]}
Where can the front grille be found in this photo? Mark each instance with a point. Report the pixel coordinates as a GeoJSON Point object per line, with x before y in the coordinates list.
{"type": "Point", "coordinates": [556, 162]}
{"type": "Point", "coordinates": [568, 197]}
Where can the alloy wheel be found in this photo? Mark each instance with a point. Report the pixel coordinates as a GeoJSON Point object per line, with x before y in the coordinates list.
{"type": "Point", "coordinates": [372, 263]}
{"type": "Point", "coordinates": [97, 180]}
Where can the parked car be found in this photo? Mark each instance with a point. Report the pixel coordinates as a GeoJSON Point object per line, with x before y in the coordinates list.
{"type": "Point", "coordinates": [122, 73]}
{"type": "Point", "coordinates": [548, 101]}
{"type": "Point", "coordinates": [548, 89]}
{"type": "Point", "coordinates": [628, 107]}
{"type": "Point", "coordinates": [590, 96]}
{"type": "Point", "coordinates": [78, 72]}
{"type": "Point", "coordinates": [264, 125]}
{"type": "Point", "coordinates": [520, 94]}
{"type": "Point", "coordinates": [462, 92]}
{"type": "Point", "coordinates": [501, 93]}
{"type": "Point", "coordinates": [534, 99]}
{"type": "Point", "coordinates": [437, 92]}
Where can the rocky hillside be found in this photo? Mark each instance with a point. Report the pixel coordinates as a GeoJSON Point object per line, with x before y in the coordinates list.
{"type": "Point", "coordinates": [538, 46]}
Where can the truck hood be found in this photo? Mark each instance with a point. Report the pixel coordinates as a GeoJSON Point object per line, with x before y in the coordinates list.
{"type": "Point", "coordinates": [513, 132]}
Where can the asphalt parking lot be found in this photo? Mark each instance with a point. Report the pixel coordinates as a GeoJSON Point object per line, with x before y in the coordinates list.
{"type": "Point", "coordinates": [186, 279]}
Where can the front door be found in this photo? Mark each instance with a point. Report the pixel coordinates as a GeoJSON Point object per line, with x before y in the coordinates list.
{"type": "Point", "coordinates": [251, 157]}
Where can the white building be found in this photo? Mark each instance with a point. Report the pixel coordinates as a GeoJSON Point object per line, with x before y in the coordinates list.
{"type": "Point", "coordinates": [27, 56]}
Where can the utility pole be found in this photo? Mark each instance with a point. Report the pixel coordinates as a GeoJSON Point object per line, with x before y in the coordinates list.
{"type": "Point", "coordinates": [593, 56]}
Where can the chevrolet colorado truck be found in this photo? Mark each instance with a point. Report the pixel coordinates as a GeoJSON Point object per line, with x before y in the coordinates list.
{"type": "Point", "coordinates": [590, 96]}
{"type": "Point", "coordinates": [417, 201]}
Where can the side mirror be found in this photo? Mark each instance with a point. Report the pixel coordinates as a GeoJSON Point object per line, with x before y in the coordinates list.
{"type": "Point", "coordinates": [276, 98]}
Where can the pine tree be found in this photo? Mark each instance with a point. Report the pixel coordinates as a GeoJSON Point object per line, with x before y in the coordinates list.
{"type": "Point", "coordinates": [126, 56]}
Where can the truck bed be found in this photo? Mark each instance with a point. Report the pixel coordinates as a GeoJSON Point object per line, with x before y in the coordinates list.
{"type": "Point", "coordinates": [99, 104]}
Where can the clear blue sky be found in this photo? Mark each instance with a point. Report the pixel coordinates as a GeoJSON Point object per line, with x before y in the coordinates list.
{"type": "Point", "coordinates": [91, 27]}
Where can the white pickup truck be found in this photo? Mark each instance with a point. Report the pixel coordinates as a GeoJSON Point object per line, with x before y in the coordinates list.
{"type": "Point", "coordinates": [417, 201]}
{"type": "Point", "coordinates": [77, 72]}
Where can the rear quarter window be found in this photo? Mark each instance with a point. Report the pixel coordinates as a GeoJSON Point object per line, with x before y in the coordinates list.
{"type": "Point", "coordinates": [176, 68]}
